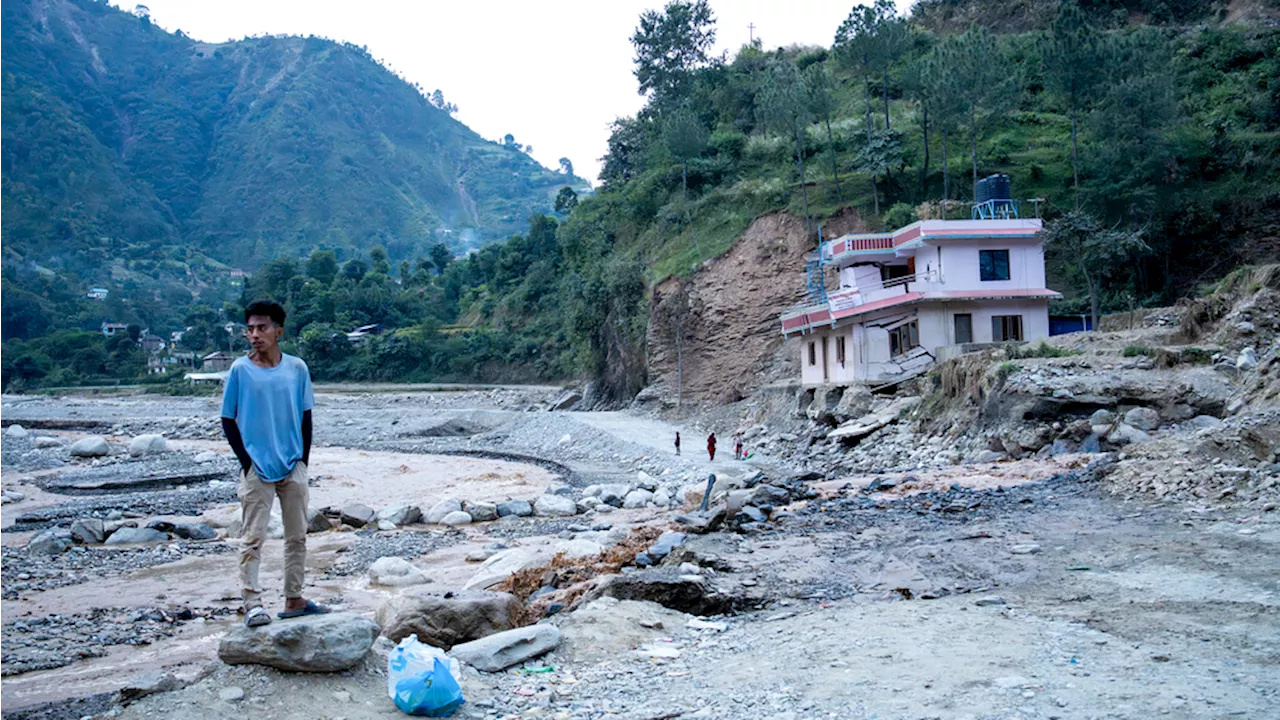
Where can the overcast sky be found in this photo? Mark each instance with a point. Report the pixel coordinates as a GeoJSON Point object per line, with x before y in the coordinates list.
{"type": "Point", "coordinates": [553, 74]}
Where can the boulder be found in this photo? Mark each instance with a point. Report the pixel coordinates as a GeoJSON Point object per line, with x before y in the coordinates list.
{"type": "Point", "coordinates": [1125, 434]}
{"type": "Point", "coordinates": [358, 514]}
{"type": "Point", "coordinates": [16, 431]}
{"type": "Point", "coordinates": [645, 481]}
{"type": "Point", "coordinates": [136, 535]}
{"type": "Point", "coordinates": [662, 498]}
{"type": "Point", "coordinates": [665, 543]}
{"type": "Point", "coordinates": [1102, 417]}
{"type": "Point", "coordinates": [1247, 360]}
{"type": "Point", "coordinates": [518, 508]}
{"type": "Point", "coordinates": [498, 567]}
{"type": "Point", "coordinates": [637, 499]}
{"type": "Point", "coordinates": [1205, 422]}
{"type": "Point", "coordinates": [44, 442]}
{"type": "Point", "coordinates": [686, 593]}
{"type": "Point", "coordinates": [694, 493]}
{"type": "Point", "coordinates": [770, 495]}
{"type": "Point", "coordinates": [400, 514]}
{"type": "Point", "coordinates": [1142, 418]}
{"type": "Point", "coordinates": [442, 508]}
{"type": "Point", "coordinates": [147, 445]}
{"type": "Point", "coordinates": [49, 542]}
{"type": "Point", "coordinates": [566, 400]}
{"type": "Point", "coordinates": [395, 572]}
{"type": "Point", "coordinates": [207, 456]}
{"type": "Point", "coordinates": [147, 683]}
{"type": "Point", "coordinates": [92, 446]}
{"type": "Point", "coordinates": [854, 403]}
{"type": "Point", "coordinates": [312, 643]}
{"type": "Point", "coordinates": [988, 456]}
{"type": "Point", "coordinates": [826, 398]}
{"type": "Point", "coordinates": [614, 494]}
{"type": "Point", "coordinates": [317, 522]}
{"type": "Point", "coordinates": [447, 619]}
{"type": "Point", "coordinates": [89, 531]}
{"type": "Point", "coordinates": [554, 506]}
{"type": "Point", "coordinates": [480, 511]}
{"type": "Point", "coordinates": [194, 531]}
{"type": "Point", "coordinates": [455, 518]}
{"type": "Point", "coordinates": [500, 651]}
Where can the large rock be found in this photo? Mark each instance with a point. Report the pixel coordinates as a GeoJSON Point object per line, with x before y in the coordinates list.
{"type": "Point", "coordinates": [854, 403]}
{"type": "Point", "coordinates": [400, 514]}
{"type": "Point", "coordinates": [1125, 434]}
{"type": "Point", "coordinates": [637, 499]}
{"type": "Point", "coordinates": [395, 572]}
{"type": "Point", "coordinates": [770, 495]}
{"type": "Point", "coordinates": [457, 517]}
{"type": "Point", "coordinates": [665, 543]}
{"type": "Point", "coordinates": [1247, 360]}
{"type": "Point", "coordinates": [614, 494]}
{"type": "Point", "coordinates": [442, 508]}
{"type": "Point", "coordinates": [317, 521]}
{"type": "Point", "coordinates": [447, 619]}
{"type": "Point", "coordinates": [554, 506]}
{"type": "Point", "coordinates": [49, 542]}
{"type": "Point", "coordinates": [518, 508]}
{"type": "Point", "coordinates": [567, 399]}
{"type": "Point", "coordinates": [89, 531]}
{"type": "Point", "coordinates": [498, 567]}
{"type": "Point", "coordinates": [1102, 417]}
{"type": "Point", "coordinates": [1205, 422]}
{"type": "Point", "coordinates": [194, 531]}
{"type": "Point", "coordinates": [686, 593]}
{"type": "Point", "coordinates": [825, 400]}
{"type": "Point", "coordinates": [127, 535]}
{"type": "Point", "coordinates": [147, 683]}
{"type": "Point", "coordinates": [16, 431]}
{"type": "Point", "coordinates": [480, 511]}
{"type": "Point", "coordinates": [724, 484]}
{"type": "Point", "coordinates": [358, 514]}
{"type": "Point", "coordinates": [312, 643]}
{"type": "Point", "coordinates": [148, 445]}
{"type": "Point", "coordinates": [44, 442]}
{"type": "Point", "coordinates": [1143, 418]}
{"type": "Point", "coordinates": [92, 446]}
{"type": "Point", "coordinates": [500, 651]}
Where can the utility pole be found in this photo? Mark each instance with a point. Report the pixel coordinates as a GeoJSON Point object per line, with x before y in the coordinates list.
{"type": "Point", "coordinates": [751, 32]}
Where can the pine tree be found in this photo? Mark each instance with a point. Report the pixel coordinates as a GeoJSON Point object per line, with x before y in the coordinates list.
{"type": "Point", "coordinates": [1073, 56]}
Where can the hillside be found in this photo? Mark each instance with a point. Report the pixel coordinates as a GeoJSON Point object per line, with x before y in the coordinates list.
{"type": "Point", "coordinates": [135, 155]}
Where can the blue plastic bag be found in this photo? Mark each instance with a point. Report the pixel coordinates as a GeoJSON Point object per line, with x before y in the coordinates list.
{"type": "Point", "coordinates": [433, 693]}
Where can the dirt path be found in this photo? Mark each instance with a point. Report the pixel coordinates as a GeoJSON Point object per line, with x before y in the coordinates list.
{"type": "Point", "coordinates": [660, 436]}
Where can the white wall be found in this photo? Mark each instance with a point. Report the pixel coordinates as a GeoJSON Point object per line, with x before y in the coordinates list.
{"type": "Point", "coordinates": [960, 269]}
{"type": "Point", "coordinates": [1035, 319]}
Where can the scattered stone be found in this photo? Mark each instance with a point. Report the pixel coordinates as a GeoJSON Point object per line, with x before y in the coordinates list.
{"type": "Point", "coordinates": [312, 643]}
{"type": "Point", "coordinates": [989, 600]}
{"type": "Point", "coordinates": [49, 542]}
{"type": "Point", "coordinates": [1124, 434]}
{"type": "Point", "coordinates": [386, 525]}
{"type": "Point", "coordinates": [519, 508]}
{"type": "Point", "coordinates": [16, 431]}
{"type": "Point", "coordinates": [455, 518]}
{"type": "Point", "coordinates": [990, 456]}
{"type": "Point", "coordinates": [1247, 360]}
{"type": "Point", "coordinates": [127, 535]}
{"type": "Point", "coordinates": [11, 496]}
{"type": "Point", "coordinates": [194, 531]}
{"type": "Point", "coordinates": [148, 683]}
{"type": "Point", "coordinates": [500, 651]}
{"type": "Point", "coordinates": [554, 506]}
{"type": "Point", "coordinates": [686, 593]}
{"type": "Point", "coordinates": [637, 499]}
{"type": "Point", "coordinates": [231, 694]}
{"type": "Point", "coordinates": [1205, 422]}
{"type": "Point", "coordinates": [1025, 549]}
{"type": "Point", "coordinates": [395, 572]}
{"type": "Point", "coordinates": [89, 531]}
{"type": "Point", "coordinates": [1245, 327]}
{"type": "Point", "coordinates": [498, 567]}
{"type": "Point", "coordinates": [448, 619]}
{"type": "Point", "coordinates": [1143, 418]}
{"type": "Point", "coordinates": [665, 543]}
{"type": "Point", "coordinates": [207, 456]}
{"type": "Point", "coordinates": [148, 445]}
{"type": "Point", "coordinates": [442, 508]}
{"type": "Point", "coordinates": [44, 442]}
{"type": "Point", "coordinates": [614, 494]}
{"type": "Point", "coordinates": [400, 514]}
{"type": "Point", "coordinates": [92, 446]}
{"type": "Point", "coordinates": [480, 511]}
{"type": "Point", "coordinates": [358, 515]}
{"type": "Point", "coordinates": [1102, 417]}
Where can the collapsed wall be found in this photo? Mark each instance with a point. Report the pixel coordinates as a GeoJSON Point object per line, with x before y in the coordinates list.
{"type": "Point", "coordinates": [730, 322]}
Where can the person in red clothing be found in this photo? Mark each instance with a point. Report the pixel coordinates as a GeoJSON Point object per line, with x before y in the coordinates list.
{"type": "Point", "coordinates": [711, 446]}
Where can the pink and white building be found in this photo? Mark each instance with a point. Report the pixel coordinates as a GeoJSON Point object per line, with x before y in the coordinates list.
{"type": "Point", "coordinates": [907, 297]}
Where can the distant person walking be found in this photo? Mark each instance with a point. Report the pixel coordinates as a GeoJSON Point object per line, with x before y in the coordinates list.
{"type": "Point", "coordinates": [677, 443]}
{"type": "Point", "coordinates": [711, 446]}
{"type": "Point", "coordinates": [266, 416]}
{"type": "Point", "coordinates": [737, 446]}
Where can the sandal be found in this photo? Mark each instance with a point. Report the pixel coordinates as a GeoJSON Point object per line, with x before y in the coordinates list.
{"type": "Point", "coordinates": [256, 617]}
{"type": "Point", "coordinates": [309, 609]}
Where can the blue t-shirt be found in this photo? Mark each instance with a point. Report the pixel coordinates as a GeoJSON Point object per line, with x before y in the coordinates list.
{"type": "Point", "coordinates": [267, 405]}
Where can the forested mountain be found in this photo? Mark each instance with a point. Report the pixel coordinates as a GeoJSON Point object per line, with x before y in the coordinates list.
{"type": "Point", "coordinates": [1149, 131]}
{"type": "Point", "coordinates": [148, 163]}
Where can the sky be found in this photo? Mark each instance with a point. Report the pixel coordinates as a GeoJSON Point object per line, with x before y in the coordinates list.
{"type": "Point", "coordinates": [553, 74]}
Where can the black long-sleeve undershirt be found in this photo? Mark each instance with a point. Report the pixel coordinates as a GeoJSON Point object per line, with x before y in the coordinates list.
{"type": "Point", "coordinates": [232, 431]}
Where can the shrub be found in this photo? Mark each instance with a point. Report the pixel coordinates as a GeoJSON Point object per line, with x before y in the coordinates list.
{"type": "Point", "coordinates": [1042, 350]}
{"type": "Point", "coordinates": [1006, 369]}
{"type": "Point", "coordinates": [1136, 350]}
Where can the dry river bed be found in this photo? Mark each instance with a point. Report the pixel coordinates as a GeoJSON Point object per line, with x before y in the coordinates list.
{"type": "Point", "coordinates": [1023, 591]}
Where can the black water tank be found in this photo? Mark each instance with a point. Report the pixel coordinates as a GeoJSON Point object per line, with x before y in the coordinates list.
{"type": "Point", "coordinates": [992, 187]}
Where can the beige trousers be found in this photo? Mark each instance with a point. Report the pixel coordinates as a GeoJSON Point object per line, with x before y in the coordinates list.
{"type": "Point", "coordinates": [256, 498]}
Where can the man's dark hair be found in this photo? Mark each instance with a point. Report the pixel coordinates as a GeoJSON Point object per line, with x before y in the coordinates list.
{"type": "Point", "coordinates": [270, 308]}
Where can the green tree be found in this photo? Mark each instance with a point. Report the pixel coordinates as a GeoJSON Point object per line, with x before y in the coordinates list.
{"type": "Point", "coordinates": [566, 166]}
{"type": "Point", "coordinates": [883, 151]}
{"type": "Point", "coordinates": [822, 103]}
{"type": "Point", "coordinates": [1096, 253]}
{"type": "Point", "coordinates": [685, 137]}
{"type": "Point", "coordinates": [1074, 58]}
{"type": "Point", "coordinates": [440, 257]}
{"type": "Point", "coordinates": [322, 266]}
{"type": "Point", "coordinates": [785, 108]}
{"type": "Point", "coordinates": [378, 256]}
{"type": "Point", "coordinates": [566, 200]}
{"type": "Point", "coordinates": [975, 70]}
{"type": "Point", "coordinates": [355, 269]}
{"type": "Point", "coordinates": [670, 45]}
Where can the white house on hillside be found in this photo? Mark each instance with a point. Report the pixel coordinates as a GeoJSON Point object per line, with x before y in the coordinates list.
{"type": "Point", "coordinates": [905, 296]}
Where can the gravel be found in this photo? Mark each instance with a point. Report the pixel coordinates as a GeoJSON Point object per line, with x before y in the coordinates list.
{"type": "Point", "coordinates": [24, 574]}
{"type": "Point", "coordinates": [371, 544]}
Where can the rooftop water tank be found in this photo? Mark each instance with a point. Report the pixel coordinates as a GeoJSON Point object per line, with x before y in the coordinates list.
{"type": "Point", "coordinates": [992, 187]}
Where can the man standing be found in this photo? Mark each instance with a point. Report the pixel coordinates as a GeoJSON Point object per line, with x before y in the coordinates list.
{"type": "Point", "coordinates": [266, 416]}
{"type": "Point", "coordinates": [677, 443]}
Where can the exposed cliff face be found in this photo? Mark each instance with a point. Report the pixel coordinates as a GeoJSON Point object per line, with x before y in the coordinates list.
{"type": "Point", "coordinates": [733, 343]}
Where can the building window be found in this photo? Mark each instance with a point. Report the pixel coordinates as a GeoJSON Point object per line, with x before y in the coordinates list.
{"type": "Point", "coordinates": [993, 264]}
{"type": "Point", "coordinates": [903, 338]}
{"type": "Point", "coordinates": [840, 351]}
{"type": "Point", "coordinates": [964, 328]}
{"type": "Point", "coordinates": [1006, 327]}
{"type": "Point", "coordinates": [813, 354]}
